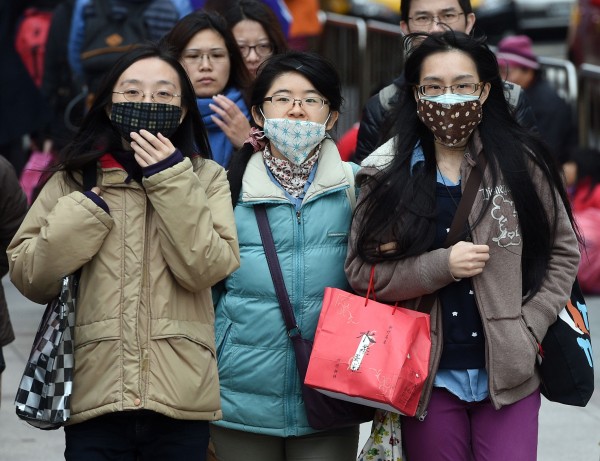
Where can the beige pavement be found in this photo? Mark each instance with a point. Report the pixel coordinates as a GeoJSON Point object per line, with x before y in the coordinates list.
{"type": "Point", "coordinates": [566, 433]}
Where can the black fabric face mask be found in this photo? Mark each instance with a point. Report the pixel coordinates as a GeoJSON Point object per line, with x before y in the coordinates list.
{"type": "Point", "coordinates": [151, 116]}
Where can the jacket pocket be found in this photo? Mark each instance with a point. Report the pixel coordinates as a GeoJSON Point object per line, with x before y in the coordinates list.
{"type": "Point", "coordinates": [222, 335]}
{"type": "Point", "coordinates": [341, 236]}
{"type": "Point", "coordinates": [182, 370]}
{"type": "Point", "coordinates": [513, 352]}
{"type": "Point", "coordinates": [97, 380]}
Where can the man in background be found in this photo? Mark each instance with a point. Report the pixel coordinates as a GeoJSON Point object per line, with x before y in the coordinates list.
{"type": "Point", "coordinates": [427, 16]}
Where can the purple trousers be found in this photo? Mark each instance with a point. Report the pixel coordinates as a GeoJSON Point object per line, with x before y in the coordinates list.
{"type": "Point", "coordinates": [454, 430]}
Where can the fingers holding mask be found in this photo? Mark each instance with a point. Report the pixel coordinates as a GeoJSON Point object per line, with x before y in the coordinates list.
{"type": "Point", "coordinates": [150, 149]}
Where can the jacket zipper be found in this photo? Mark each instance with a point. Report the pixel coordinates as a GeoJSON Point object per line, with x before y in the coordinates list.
{"type": "Point", "coordinates": [144, 370]}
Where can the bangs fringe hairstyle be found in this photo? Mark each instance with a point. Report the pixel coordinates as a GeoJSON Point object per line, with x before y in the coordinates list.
{"type": "Point", "coordinates": [258, 11]}
{"type": "Point", "coordinates": [185, 29]}
{"type": "Point", "coordinates": [400, 204]}
{"type": "Point", "coordinates": [96, 136]}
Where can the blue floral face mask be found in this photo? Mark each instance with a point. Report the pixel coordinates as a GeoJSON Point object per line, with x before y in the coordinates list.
{"type": "Point", "coordinates": [295, 139]}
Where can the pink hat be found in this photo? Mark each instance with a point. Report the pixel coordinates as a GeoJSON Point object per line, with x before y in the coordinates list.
{"type": "Point", "coordinates": [516, 50]}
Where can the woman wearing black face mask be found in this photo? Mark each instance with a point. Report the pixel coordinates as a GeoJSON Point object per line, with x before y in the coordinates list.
{"type": "Point", "coordinates": [151, 238]}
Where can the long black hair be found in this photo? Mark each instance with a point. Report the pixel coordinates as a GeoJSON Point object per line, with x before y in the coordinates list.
{"type": "Point", "coordinates": [315, 68]}
{"type": "Point", "coordinates": [96, 136]}
{"type": "Point", "coordinates": [401, 204]}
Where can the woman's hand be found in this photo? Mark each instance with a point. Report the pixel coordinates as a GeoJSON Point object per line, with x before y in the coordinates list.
{"type": "Point", "coordinates": [468, 259]}
{"type": "Point", "coordinates": [150, 149]}
{"type": "Point", "coordinates": [96, 190]}
{"type": "Point", "coordinates": [231, 120]}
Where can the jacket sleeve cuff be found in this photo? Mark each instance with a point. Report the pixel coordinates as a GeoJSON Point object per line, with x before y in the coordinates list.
{"type": "Point", "coordinates": [168, 162]}
{"type": "Point", "coordinates": [97, 200]}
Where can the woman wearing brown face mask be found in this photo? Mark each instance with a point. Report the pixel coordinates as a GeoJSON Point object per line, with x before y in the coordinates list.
{"type": "Point", "coordinates": [501, 285]}
{"type": "Point", "coordinates": [151, 238]}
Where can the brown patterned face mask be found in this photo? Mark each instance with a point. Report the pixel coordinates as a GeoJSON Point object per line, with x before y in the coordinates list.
{"type": "Point", "coordinates": [451, 124]}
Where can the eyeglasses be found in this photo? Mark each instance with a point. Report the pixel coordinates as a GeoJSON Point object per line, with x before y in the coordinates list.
{"type": "Point", "coordinates": [196, 57]}
{"type": "Point", "coordinates": [459, 88]}
{"type": "Point", "coordinates": [313, 103]}
{"type": "Point", "coordinates": [135, 95]}
{"type": "Point", "coordinates": [449, 17]}
{"type": "Point", "coordinates": [262, 49]}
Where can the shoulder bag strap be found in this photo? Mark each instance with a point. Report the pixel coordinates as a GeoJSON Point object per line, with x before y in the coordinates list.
{"type": "Point", "coordinates": [266, 236]}
{"type": "Point", "coordinates": [460, 220]}
{"type": "Point", "coordinates": [465, 204]}
{"type": "Point", "coordinates": [351, 191]}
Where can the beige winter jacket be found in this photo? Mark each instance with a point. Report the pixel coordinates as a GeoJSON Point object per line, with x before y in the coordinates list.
{"type": "Point", "coordinates": [512, 328]}
{"type": "Point", "coordinates": [144, 318]}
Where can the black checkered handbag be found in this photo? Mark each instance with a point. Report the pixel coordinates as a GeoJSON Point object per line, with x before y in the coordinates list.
{"type": "Point", "coordinates": [44, 394]}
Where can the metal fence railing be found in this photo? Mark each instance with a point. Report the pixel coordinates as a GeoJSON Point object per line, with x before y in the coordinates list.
{"type": "Point", "coordinates": [562, 75]}
{"type": "Point", "coordinates": [367, 54]}
{"type": "Point", "coordinates": [385, 56]}
{"type": "Point", "coordinates": [344, 41]}
{"type": "Point", "coordinates": [589, 106]}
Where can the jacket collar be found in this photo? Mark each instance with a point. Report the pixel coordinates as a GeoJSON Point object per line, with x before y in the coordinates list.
{"type": "Point", "coordinates": [385, 153]}
{"type": "Point", "coordinates": [258, 187]}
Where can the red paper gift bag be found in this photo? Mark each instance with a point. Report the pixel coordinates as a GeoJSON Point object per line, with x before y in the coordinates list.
{"type": "Point", "coordinates": [370, 353]}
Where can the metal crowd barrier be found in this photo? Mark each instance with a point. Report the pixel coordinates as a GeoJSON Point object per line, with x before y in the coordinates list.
{"type": "Point", "coordinates": [368, 56]}
{"type": "Point", "coordinates": [385, 56]}
{"type": "Point", "coordinates": [562, 75]}
{"type": "Point", "coordinates": [589, 106]}
{"type": "Point", "coordinates": [344, 41]}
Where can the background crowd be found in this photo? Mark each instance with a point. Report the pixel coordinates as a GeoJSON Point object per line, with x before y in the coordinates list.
{"type": "Point", "coordinates": [224, 84]}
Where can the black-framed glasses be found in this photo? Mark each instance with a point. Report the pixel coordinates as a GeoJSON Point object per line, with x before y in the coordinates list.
{"type": "Point", "coordinates": [448, 17]}
{"type": "Point", "coordinates": [285, 102]}
{"type": "Point", "coordinates": [459, 88]}
{"type": "Point", "coordinates": [195, 57]}
{"type": "Point", "coordinates": [261, 49]}
{"type": "Point", "coordinates": [135, 95]}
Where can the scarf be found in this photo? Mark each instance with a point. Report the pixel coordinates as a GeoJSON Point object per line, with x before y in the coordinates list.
{"type": "Point", "coordinates": [221, 147]}
{"type": "Point", "coordinates": [292, 177]}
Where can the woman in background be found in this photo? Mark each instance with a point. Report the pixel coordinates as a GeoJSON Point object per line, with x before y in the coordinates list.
{"type": "Point", "coordinates": [212, 59]}
{"type": "Point", "coordinates": [582, 173]}
{"type": "Point", "coordinates": [256, 31]}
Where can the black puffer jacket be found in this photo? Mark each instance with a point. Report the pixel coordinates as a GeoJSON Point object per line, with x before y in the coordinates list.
{"type": "Point", "coordinates": [370, 133]}
{"type": "Point", "coordinates": [13, 207]}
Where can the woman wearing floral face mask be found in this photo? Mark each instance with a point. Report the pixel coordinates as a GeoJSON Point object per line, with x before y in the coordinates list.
{"type": "Point", "coordinates": [502, 285]}
{"type": "Point", "coordinates": [291, 166]}
{"type": "Point", "coordinates": [150, 239]}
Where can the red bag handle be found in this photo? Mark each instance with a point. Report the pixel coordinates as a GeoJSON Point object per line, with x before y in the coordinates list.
{"type": "Point", "coordinates": [371, 289]}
